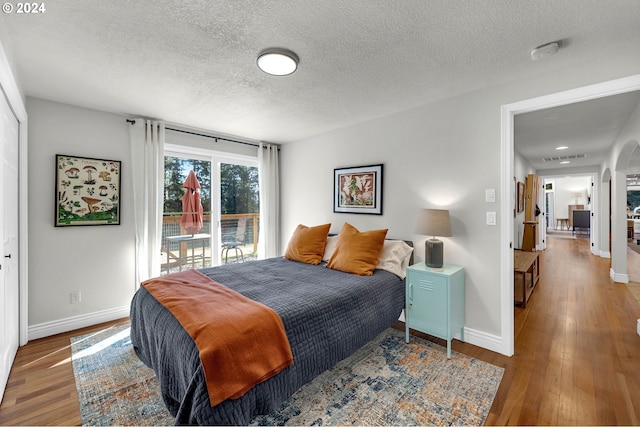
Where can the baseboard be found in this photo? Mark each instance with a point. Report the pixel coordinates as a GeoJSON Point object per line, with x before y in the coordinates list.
{"type": "Point", "coordinates": [618, 277]}
{"type": "Point", "coordinates": [478, 338]}
{"type": "Point", "coordinates": [47, 329]}
{"type": "Point", "coordinates": [605, 254]}
{"type": "Point", "coordinates": [484, 340]}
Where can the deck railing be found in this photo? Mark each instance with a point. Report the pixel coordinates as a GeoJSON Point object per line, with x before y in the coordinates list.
{"type": "Point", "coordinates": [228, 225]}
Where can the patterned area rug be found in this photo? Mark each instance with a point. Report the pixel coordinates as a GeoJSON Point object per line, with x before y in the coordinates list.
{"type": "Point", "coordinates": [387, 382]}
{"type": "Point", "coordinates": [114, 386]}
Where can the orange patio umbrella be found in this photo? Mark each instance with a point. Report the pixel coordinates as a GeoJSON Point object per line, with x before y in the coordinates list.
{"type": "Point", "coordinates": [191, 219]}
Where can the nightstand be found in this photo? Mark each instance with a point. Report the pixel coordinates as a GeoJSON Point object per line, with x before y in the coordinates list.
{"type": "Point", "coordinates": [434, 302]}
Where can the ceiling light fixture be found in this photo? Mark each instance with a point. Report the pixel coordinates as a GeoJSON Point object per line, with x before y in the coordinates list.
{"type": "Point", "coordinates": [562, 147]}
{"type": "Point", "coordinates": [565, 162]}
{"type": "Point", "coordinates": [278, 62]}
{"type": "Point", "coordinates": [545, 50]}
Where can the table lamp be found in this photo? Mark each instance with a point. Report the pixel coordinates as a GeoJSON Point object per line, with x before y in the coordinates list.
{"type": "Point", "coordinates": [434, 222]}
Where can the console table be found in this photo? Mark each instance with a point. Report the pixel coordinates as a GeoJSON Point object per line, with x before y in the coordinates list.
{"type": "Point", "coordinates": [526, 273]}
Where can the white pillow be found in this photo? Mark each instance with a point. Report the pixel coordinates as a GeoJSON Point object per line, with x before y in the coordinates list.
{"type": "Point", "coordinates": [394, 257]}
{"type": "Point", "coordinates": [330, 247]}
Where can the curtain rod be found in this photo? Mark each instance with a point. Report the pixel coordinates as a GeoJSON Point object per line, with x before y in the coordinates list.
{"type": "Point", "coordinates": [216, 138]}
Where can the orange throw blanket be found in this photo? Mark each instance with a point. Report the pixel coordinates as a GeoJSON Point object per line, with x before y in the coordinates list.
{"type": "Point", "coordinates": [242, 342]}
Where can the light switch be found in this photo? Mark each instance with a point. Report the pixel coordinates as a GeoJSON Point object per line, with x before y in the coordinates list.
{"type": "Point", "coordinates": [491, 218]}
{"type": "Point", "coordinates": [490, 195]}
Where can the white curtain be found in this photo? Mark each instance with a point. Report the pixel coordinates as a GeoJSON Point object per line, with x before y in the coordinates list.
{"type": "Point", "coordinates": [147, 165]}
{"type": "Point", "coordinates": [269, 182]}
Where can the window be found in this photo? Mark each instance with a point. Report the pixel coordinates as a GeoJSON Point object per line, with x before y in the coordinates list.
{"type": "Point", "coordinates": [229, 193]}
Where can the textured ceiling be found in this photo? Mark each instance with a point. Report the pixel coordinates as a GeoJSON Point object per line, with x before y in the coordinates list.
{"type": "Point", "coordinates": [193, 63]}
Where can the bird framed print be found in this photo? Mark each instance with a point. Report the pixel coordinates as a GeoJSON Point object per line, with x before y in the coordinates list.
{"type": "Point", "coordinates": [358, 190]}
{"type": "Point", "coordinates": [87, 191]}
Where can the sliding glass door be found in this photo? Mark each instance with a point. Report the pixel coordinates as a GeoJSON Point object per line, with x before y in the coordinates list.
{"type": "Point", "coordinates": [186, 244]}
{"type": "Point", "coordinates": [239, 211]}
{"type": "Point", "coordinates": [229, 195]}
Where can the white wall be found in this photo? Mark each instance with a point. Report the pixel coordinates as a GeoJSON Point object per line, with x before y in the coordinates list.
{"type": "Point", "coordinates": [444, 154]}
{"type": "Point", "coordinates": [565, 191]}
{"type": "Point", "coordinates": [98, 261]}
{"type": "Point", "coordinates": [201, 143]}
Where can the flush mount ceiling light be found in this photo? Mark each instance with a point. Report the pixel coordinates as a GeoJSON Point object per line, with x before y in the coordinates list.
{"type": "Point", "coordinates": [278, 62]}
{"type": "Point", "coordinates": [545, 50]}
{"type": "Point", "coordinates": [562, 147]}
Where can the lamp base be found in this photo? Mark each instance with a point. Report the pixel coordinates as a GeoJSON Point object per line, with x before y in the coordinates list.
{"type": "Point", "coordinates": [433, 249]}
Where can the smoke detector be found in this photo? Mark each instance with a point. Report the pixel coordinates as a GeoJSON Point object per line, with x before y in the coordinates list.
{"type": "Point", "coordinates": [545, 50]}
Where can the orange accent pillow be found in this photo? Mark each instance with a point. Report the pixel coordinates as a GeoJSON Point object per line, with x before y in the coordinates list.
{"type": "Point", "coordinates": [357, 252]}
{"type": "Point", "coordinates": [307, 244]}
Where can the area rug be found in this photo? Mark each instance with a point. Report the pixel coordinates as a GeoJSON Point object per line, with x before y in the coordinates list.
{"type": "Point", "coordinates": [114, 386]}
{"type": "Point", "coordinates": [560, 234]}
{"type": "Point", "coordinates": [386, 382]}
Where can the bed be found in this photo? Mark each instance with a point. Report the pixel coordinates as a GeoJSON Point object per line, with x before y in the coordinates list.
{"type": "Point", "coordinates": [327, 315]}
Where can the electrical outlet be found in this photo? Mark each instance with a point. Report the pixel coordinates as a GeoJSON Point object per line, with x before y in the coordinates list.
{"type": "Point", "coordinates": [76, 297]}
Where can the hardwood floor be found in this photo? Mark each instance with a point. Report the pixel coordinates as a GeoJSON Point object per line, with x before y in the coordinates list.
{"type": "Point", "coordinates": [41, 388]}
{"type": "Point", "coordinates": [577, 353]}
{"type": "Point", "coordinates": [576, 362]}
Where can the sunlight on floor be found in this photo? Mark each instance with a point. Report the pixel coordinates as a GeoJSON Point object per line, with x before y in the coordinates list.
{"type": "Point", "coordinates": [124, 334]}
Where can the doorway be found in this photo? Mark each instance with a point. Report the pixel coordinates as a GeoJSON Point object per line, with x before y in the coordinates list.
{"type": "Point", "coordinates": [508, 112]}
{"type": "Point", "coordinates": [565, 195]}
{"type": "Point", "coordinates": [9, 264]}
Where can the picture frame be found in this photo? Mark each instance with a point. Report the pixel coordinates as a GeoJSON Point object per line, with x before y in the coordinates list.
{"type": "Point", "coordinates": [514, 192]}
{"type": "Point", "coordinates": [520, 196]}
{"type": "Point", "coordinates": [358, 190]}
{"type": "Point", "coordinates": [87, 191]}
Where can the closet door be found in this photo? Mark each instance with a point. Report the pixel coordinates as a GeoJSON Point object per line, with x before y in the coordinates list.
{"type": "Point", "coordinates": [9, 278]}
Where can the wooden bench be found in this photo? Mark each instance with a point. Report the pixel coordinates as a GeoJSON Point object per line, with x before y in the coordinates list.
{"type": "Point", "coordinates": [526, 273]}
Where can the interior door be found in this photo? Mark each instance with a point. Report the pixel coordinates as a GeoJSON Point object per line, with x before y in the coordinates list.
{"type": "Point", "coordinates": [9, 279]}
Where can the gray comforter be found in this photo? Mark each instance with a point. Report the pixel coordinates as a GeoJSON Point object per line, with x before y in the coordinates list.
{"type": "Point", "coordinates": [327, 315]}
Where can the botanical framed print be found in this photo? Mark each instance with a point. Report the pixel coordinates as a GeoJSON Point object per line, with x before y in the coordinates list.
{"type": "Point", "coordinates": [87, 191]}
{"type": "Point", "coordinates": [358, 190]}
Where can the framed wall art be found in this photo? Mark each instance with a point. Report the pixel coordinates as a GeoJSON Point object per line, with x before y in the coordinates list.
{"type": "Point", "coordinates": [358, 190]}
{"type": "Point", "coordinates": [520, 196]}
{"type": "Point", "coordinates": [87, 191]}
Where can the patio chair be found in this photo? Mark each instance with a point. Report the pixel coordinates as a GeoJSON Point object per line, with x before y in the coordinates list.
{"type": "Point", "coordinates": [234, 240]}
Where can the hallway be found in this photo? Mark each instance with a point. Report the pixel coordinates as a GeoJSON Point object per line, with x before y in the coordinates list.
{"type": "Point", "coordinates": [577, 353]}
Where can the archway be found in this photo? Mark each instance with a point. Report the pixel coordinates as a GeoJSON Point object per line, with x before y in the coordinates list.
{"type": "Point", "coordinates": [625, 163]}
